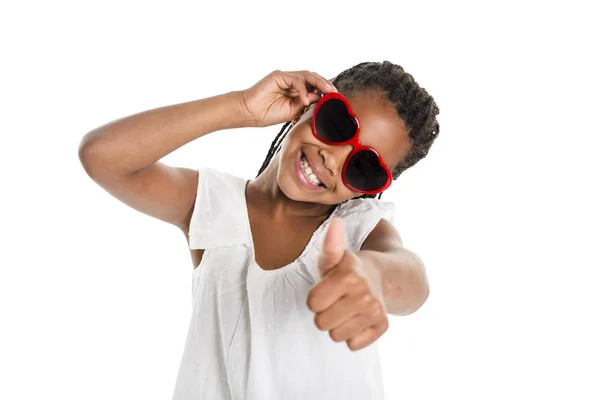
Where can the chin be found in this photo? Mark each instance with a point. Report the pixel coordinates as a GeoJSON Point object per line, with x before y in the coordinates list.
{"type": "Point", "coordinates": [291, 190]}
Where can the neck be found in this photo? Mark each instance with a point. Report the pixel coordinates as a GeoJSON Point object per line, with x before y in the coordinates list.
{"type": "Point", "coordinates": [264, 193]}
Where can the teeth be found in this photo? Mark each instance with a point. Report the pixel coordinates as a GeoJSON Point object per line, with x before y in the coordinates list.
{"type": "Point", "coordinates": [311, 176]}
{"type": "Point", "coordinates": [314, 180]}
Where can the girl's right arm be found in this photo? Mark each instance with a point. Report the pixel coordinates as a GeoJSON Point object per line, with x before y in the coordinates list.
{"type": "Point", "coordinates": [123, 156]}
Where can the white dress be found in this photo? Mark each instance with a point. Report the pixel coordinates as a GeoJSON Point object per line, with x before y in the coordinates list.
{"type": "Point", "coordinates": [251, 335]}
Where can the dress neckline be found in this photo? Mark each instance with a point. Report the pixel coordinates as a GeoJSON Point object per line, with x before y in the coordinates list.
{"type": "Point", "coordinates": [250, 241]}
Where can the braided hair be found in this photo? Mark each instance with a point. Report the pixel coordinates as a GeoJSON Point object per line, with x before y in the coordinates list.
{"type": "Point", "coordinates": [414, 105]}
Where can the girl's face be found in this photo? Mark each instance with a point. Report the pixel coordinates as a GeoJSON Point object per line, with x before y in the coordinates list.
{"type": "Point", "coordinates": [380, 128]}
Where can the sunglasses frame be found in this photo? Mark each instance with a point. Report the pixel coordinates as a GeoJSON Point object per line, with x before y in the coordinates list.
{"type": "Point", "coordinates": [353, 141]}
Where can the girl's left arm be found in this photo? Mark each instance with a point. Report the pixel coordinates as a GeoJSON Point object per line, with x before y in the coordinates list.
{"type": "Point", "coordinates": [403, 279]}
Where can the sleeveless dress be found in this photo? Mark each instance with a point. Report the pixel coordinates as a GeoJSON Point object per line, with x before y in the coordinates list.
{"type": "Point", "coordinates": [251, 335]}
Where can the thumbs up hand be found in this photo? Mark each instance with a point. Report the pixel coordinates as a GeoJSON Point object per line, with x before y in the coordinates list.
{"type": "Point", "coordinates": [348, 301]}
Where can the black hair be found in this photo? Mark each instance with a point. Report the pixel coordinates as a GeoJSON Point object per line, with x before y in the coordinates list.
{"type": "Point", "coordinates": [414, 105]}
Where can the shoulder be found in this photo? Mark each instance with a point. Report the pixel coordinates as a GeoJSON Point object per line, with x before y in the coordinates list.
{"type": "Point", "coordinates": [361, 216]}
{"type": "Point", "coordinates": [210, 176]}
{"type": "Point", "coordinates": [215, 185]}
{"type": "Point", "coordinates": [364, 209]}
{"type": "Point", "coordinates": [219, 210]}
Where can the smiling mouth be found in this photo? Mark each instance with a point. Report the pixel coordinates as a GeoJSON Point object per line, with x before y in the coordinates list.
{"type": "Point", "coordinates": [308, 176]}
{"type": "Point", "coordinates": [308, 171]}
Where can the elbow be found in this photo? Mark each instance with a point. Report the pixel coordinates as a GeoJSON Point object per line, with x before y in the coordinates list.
{"type": "Point", "coordinates": [412, 306]}
{"type": "Point", "coordinates": [90, 154]}
{"type": "Point", "coordinates": [420, 292]}
{"type": "Point", "coordinates": [413, 295]}
{"type": "Point", "coordinates": [86, 155]}
{"type": "Point", "coordinates": [421, 297]}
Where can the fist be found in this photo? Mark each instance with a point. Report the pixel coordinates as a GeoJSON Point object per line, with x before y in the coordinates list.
{"type": "Point", "coordinates": [348, 300]}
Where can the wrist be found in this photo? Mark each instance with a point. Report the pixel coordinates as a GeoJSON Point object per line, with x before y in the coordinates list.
{"type": "Point", "coordinates": [243, 118]}
{"type": "Point", "coordinates": [371, 267]}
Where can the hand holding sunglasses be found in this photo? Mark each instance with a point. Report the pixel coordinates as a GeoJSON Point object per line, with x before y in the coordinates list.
{"type": "Point", "coordinates": [280, 96]}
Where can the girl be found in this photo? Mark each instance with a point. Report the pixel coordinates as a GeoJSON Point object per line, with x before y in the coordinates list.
{"type": "Point", "coordinates": [303, 256]}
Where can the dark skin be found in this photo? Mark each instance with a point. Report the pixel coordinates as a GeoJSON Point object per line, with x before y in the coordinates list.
{"type": "Point", "coordinates": [277, 201]}
{"type": "Point", "coordinates": [357, 289]}
{"type": "Point", "coordinates": [349, 301]}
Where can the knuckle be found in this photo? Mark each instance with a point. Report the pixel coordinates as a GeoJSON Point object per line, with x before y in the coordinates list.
{"type": "Point", "coordinates": [384, 325]}
{"type": "Point", "coordinates": [350, 278]}
{"type": "Point", "coordinates": [381, 326]}
{"type": "Point", "coordinates": [366, 300]}
{"type": "Point", "coordinates": [377, 308]}
{"type": "Point", "coordinates": [361, 284]}
{"type": "Point", "coordinates": [298, 81]}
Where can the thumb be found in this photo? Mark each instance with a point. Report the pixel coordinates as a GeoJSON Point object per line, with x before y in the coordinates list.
{"type": "Point", "coordinates": [334, 246]}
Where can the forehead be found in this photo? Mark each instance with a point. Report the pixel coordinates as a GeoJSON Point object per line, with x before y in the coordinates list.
{"type": "Point", "coordinates": [380, 126]}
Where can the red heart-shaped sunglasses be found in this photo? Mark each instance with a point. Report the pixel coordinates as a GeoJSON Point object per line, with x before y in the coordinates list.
{"type": "Point", "coordinates": [334, 123]}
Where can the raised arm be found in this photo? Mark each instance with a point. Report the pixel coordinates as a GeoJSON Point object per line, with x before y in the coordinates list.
{"type": "Point", "coordinates": [123, 156]}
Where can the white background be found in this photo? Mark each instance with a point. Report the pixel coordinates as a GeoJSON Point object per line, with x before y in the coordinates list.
{"type": "Point", "coordinates": [95, 297]}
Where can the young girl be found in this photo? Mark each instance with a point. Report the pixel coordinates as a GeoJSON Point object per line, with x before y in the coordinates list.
{"type": "Point", "coordinates": [302, 257]}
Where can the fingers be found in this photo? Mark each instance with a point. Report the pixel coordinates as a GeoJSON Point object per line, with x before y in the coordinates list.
{"type": "Point", "coordinates": [293, 85]}
{"type": "Point", "coordinates": [368, 336]}
{"type": "Point", "coordinates": [327, 80]}
{"type": "Point", "coordinates": [314, 97]}
{"type": "Point", "coordinates": [337, 283]}
{"type": "Point", "coordinates": [317, 81]}
{"type": "Point", "coordinates": [303, 84]}
{"type": "Point", "coordinates": [358, 328]}
{"type": "Point", "coordinates": [345, 309]}
{"type": "Point", "coordinates": [355, 327]}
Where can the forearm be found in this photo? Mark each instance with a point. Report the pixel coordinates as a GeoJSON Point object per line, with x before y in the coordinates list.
{"type": "Point", "coordinates": [132, 143]}
{"type": "Point", "coordinates": [403, 279]}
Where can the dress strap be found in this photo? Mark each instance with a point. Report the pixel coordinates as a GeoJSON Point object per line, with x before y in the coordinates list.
{"type": "Point", "coordinates": [360, 216]}
{"type": "Point", "coordinates": [218, 219]}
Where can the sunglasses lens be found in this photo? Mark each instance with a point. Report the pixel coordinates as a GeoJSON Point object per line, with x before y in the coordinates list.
{"type": "Point", "coordinates": [333, 123]}
{"type": "Point", "coordinates": [364, 172]}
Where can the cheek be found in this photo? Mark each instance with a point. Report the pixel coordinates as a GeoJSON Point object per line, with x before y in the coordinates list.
{"type": "Point", "coordinates": [289, 145]}
{"type": "Point", "coordinates": [344, 193]}
{"type": "Point", "coordinates": [302, 133]}
{"type": "Point", "coordinates": [285, 144]}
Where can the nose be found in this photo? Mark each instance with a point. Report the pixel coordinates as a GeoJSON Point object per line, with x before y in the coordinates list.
{"type": "Point", "coordinates": [334, 157]}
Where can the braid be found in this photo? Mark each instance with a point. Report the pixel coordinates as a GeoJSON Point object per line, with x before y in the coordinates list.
{"type": "Point", "coordinates": [413, 104]}
{"type": "Point", "coordinates": [275, 146]}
